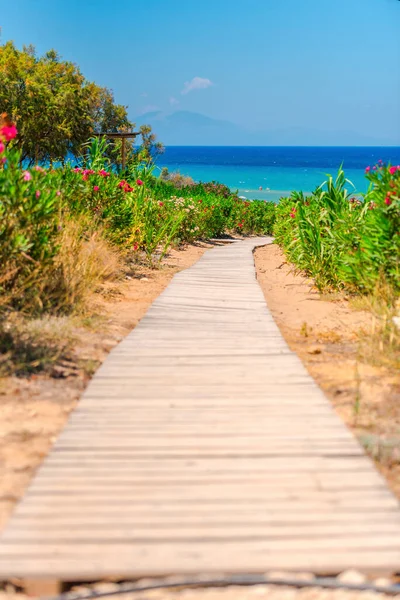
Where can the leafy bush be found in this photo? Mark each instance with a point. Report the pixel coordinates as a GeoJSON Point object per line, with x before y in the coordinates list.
{"type": "Point", "coordinates": [344, 241]}
{"type": "Point", "coordinates": [58, 226]}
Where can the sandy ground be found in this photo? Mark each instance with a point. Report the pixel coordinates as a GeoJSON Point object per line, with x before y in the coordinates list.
{"type": "Point", "coordinates": [326, 335]}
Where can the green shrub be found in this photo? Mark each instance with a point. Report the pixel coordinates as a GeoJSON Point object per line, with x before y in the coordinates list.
{"type": "Point", "coordinates": [29, 221]}
{"type": "Point", "coordinates": [55, 223]}
{"type": "Point", "coordinates": [343, 241]}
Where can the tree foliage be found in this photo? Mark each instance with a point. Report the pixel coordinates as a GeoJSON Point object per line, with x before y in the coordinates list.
{"type": "Point", "coordinates": [55, 108]}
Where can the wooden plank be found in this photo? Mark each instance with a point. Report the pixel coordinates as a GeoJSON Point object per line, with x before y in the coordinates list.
{"type": "Point", "coordinates": [167, 516]}
{"type": "Point", "coordinates": [154, 532]}
{"type": "Point", "coordinates": [84, 560]}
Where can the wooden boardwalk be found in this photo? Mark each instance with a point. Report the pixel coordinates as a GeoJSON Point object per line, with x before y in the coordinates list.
{"type": "Point", "coordinates": [202, 445]}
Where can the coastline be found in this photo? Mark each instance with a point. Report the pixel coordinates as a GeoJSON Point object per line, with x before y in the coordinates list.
{"type": "Point", "coordinates": [277, 170]}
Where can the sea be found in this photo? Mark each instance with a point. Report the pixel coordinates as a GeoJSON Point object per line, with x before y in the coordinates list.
{"type": "Point", "coordinates": [278, 170]}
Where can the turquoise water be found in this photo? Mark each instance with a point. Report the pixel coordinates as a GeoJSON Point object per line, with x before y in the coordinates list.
{"type": "Point", "coordinates": [280, 169]}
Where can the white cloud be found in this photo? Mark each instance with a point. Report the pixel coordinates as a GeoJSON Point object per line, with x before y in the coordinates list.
{"type": "Point", "coordinates": [149, 108]}
{"type": "Point", "coordinates": [173, 101]}
{"type": "Point", "coordinates": [197, 83]}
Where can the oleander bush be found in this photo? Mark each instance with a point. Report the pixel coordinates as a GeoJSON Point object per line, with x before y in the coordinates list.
{"type": "Point", "coordinates": [64, 230]}
{"type": "Point", "coordinates": [344, 241]}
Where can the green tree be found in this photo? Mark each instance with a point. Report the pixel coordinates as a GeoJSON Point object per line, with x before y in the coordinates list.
{"type": "Point", "coordinates": [56, 109]}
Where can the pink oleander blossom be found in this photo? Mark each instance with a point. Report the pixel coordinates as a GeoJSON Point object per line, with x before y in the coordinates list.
{"type": "Point", "coordinates": [27, 176]}
{"type": "Point", "coordinates": [139, 182]}
{"type": "Point", "coordinates": [9, 132]}
{"type": "Point", "coordinates": [393, 170]}
{"type": "Point", "coordinates": [96, 188]}
{"type": "Point", "coordinates": [58, 193]}
{"type": "Point", "coordinates": [2, 147]}
{"type": "Point", "coordinates": [367, 170]}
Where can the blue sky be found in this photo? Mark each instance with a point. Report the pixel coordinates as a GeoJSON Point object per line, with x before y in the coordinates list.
{"type": "Point", "coordinates": [307, 67]}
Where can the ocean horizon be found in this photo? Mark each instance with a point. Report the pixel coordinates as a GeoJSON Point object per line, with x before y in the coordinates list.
{"type": "Point", "coordinates": [278, 170]}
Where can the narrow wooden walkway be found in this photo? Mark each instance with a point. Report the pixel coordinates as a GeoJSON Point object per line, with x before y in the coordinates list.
{"type": "Point", "coordinates": [202, 445]}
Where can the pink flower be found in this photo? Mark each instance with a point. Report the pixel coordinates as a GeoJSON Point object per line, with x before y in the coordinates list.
{"type": "Point", "coordinates": [2, 147]}
{"type": "Point", "coordinates": [161, 204]}
{"type": "Point", "coordinates": [135, 246]}
{"type": "Point", "coordinates": [37, 193]}
{"type": "Point", "coordinates": [40, 169]}
{"type": "Point", "coordinates": [393, 170]}
{"type": "Point", "coordinates": [86, 173]}
{"type": "Point", "coordinates": [27, 176]}
{"type": "Point", "coordinates": [367, 170]}
{"type": "Point", "coordinates": [58, 193]}
{"type": "Point", "coordinates": [3, 160]}
{"type": "Point", "coordinates": [96, 188]}
{"type": "Point", "coordinates": [77, 170]}
{"type": "Point", "coordinates": [388, 201]}
{"type": "Point", "coordinates": [104, 173]}
{"type": "Point", "coordinates": [139, 182]}
{"type": "Point", "coordinates": [122, 183]}
{"type": "Point", "coordinates": [9, 132]}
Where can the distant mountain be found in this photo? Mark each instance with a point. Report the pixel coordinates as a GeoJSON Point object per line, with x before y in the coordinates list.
{"type": "Point", "coordinates": [190, 128]}
{"type": "Point", "coordinates": [186, 128]}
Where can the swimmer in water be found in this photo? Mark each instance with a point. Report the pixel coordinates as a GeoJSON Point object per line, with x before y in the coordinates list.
{"type": "Point", "coordinates": [260, 188]}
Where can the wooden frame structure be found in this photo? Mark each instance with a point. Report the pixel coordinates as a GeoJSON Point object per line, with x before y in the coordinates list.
{"type": "Point", "coordinates": [122, 136]}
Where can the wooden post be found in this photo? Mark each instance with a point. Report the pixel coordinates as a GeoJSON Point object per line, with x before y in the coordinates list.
{"type": "Point", "coordinates": [123, 135]}
{"type": "Point", "coordinates": [123, 150]}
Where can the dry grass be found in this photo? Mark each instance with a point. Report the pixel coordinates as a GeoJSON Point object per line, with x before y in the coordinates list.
{"type": "Point", "coordinates": [380, 345]}
{"type": "Point", "coordinates": [85, 260]}
{"type": "Point", "coordinates": [30, 345]}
